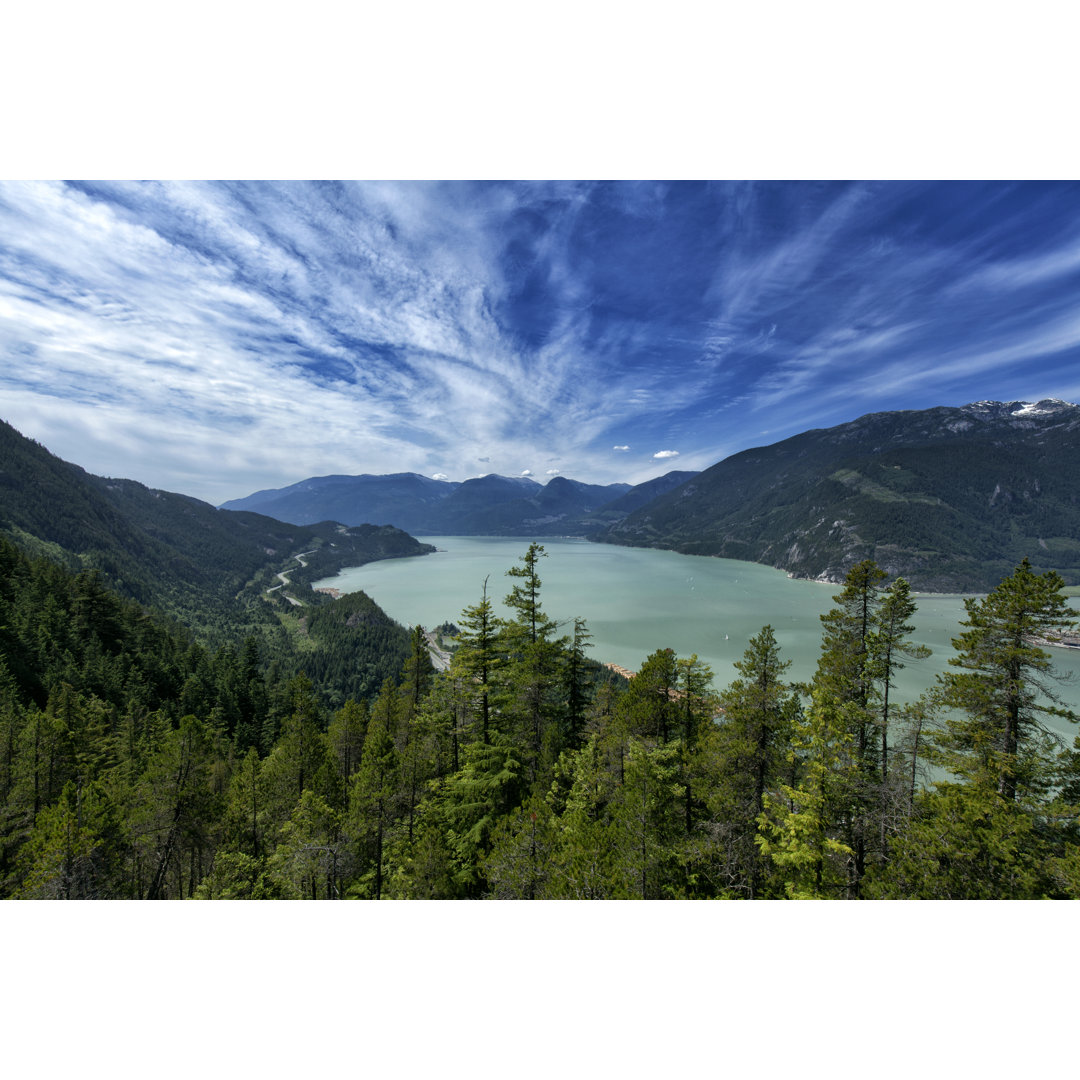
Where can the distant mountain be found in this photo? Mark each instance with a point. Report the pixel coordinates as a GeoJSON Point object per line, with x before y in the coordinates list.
{"type": "Point", "coordinates": [489, 505]}
{"type": "Point", "coordinates": [498, 506]}
{"type": "Point", "coordinates": [165, 549]}
{"type": "Point", "coordinates": [644, 493]}
{"type": "Point", "coordinates": [401, 499]}
{"type": "Point", "coordinates": [951, 498]}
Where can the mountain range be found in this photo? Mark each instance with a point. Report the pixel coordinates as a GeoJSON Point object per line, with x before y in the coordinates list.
{"type": "Point", "coordinates": [952, 498]}
{"type": "Point", "coordinates": [485, 505]}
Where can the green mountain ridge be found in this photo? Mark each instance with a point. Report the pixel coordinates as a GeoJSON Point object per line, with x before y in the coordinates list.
{"type": "Point", "coordinates": [171, 551]}
{"type": "Point", "coordinates": [951, 498]}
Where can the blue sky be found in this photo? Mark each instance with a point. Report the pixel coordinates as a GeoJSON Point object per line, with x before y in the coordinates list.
{"type": "Point", "coordinates": [219, 338]}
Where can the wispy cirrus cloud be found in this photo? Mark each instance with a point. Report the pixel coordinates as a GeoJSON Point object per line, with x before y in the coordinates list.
{"type": "Point", "coordinates": [217, 338]}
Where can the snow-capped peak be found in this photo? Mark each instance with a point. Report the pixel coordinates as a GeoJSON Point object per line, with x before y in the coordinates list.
{"type": "Point", "coordinates": [1045, 407]}
{"type": "Point", "coordinates": [1042, 408]}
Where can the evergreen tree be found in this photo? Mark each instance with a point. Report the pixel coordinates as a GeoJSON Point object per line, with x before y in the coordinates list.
{"type": "Point", "coordinates": [520, 865]}
{"type": "Point", "coordinates": [890, 645]}
{"type": "Point", "coordinates": [698, 706]}
{"type": "Point", "coordinates": [1005, 681]}
{"type": "Point", "coordinates": [576, 692]}
{"type": "Point", "coordinates": [1002, 827]}
{"type": "Point", "coordinates": [478, 656]}
{"type": "Point", "coordinates": [649, 709]}
{"type": "Point", "coordinates": [177, 803]}
{"type": "Point", "coordinates": [583, 862]}
{"type": "Point", "coordinates": [847, 674]}
{"type": "Point", "coordinates": [310, 857]}
{"type": "Point", "coordinates": [646, 824]}
{"type": "Point", "coordinates": [524, 598]}
{"type": "Point", "coordinates": [75, 851]}
{"type": "Point", "coordinates": [245, 809]}
{"type": "Point", "coordinates": [371, 797]}
{"type": "Point", "coordinates": [300, 759]}
{"type": "Point", "coordinates": [345, 735]}
{"type": "Point", "coordinates": [416, 678]}
{"type": "Point", "coordinates": [802, 826]}
{"type": "Point", "coordinates": [745, 756]}
{"type": "Point", "coordinates": [471, 803]}
{"type": "Point", "coordinates": [529, 690]}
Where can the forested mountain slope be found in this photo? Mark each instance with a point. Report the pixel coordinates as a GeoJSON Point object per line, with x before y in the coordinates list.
{"type": "Point", "coordinates": [163, 549]}
{"type": "Point", "coordinates": [119, 734]}
{"type": "Point", "coordinates": [951, 498]}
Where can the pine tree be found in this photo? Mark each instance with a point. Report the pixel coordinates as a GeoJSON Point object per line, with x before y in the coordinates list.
{"type": "Point", "coordinates": [743, 757]}
{"type": "Point", "coordinates": [802, 826]}
{"type": "Point", "coordinates": [649, 708]}
{"type": "Point", "coordinates": [416, 678]}
{"type": "Point", "coordinates": [471, 803]}
{"type": "Point", "coordinates": [576, 694]}
{"type": "Point", "coordinates": [525, 598]}
{"type": "Point", "coordinates": [999, 828]}
{"type": "Point", "coordinates": [646, 824]}
{"type": "Point", "coordinates": [1005, 682]}
{"type": "Point", "coordinates": [300, 759]}
{"type": "Point", "coordinates": [529, 688]}
{"type": "Point", "coordinates": [698, 706]}
{"type": "Point", "coordinates": [520, 865]}
{"type": "Point", "coordinates": [310, 856]}
{"type": "Point", "coordinates": [848, 677]}
{"type": "Point", "coordinates": [478, 656]}
{"type": "Point", "coordinates": [345, 736]}
{"type": "Point", "coordinates": [177, 802]}
{"type": "Point", "coordinates": [889, 646]}
{"type": "Point", "coordinates": [371, 797]}
{"type": "Point", "coordinates": [245, 809]}
{"type": "Point", "coordinates": [75, 851]}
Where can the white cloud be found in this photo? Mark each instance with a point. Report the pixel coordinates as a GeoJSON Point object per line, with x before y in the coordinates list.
{"type": "Point", "coordinates": [526, 472]}
{"type": "Point", "coordinates": [186, 334]}
{"type": "Point", "coordinates": [439, 476]}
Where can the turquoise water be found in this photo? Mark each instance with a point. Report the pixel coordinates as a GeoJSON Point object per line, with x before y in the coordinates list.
{"type": "Point", "coordinates": [638, 600]}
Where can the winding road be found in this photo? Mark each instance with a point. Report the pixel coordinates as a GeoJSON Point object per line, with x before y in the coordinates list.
{"type": "Point", "coordinates": [285, 580]}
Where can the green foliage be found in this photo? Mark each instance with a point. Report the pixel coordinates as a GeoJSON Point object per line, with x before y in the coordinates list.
{"type": "Point", "coordinates": [967, 843]}
{"type": "Point", "coordinates": [1003, 686]}
{"type": "Point", "coordinates": [800, 825]}
{"type": "Point", "coordinates": [137, 763]}
{"type": "Point", "coordinates": [74, 850]}
{"type": "Point", "coordinates": [738, 761]}
{"type": "Point", "coordinates": [357, 647]}
{"type": "Point", "coordinates": [520, 865]}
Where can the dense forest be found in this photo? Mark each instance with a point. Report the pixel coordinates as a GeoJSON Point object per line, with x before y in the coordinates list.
{"type": "Point", "coordinates": [136, 763]}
